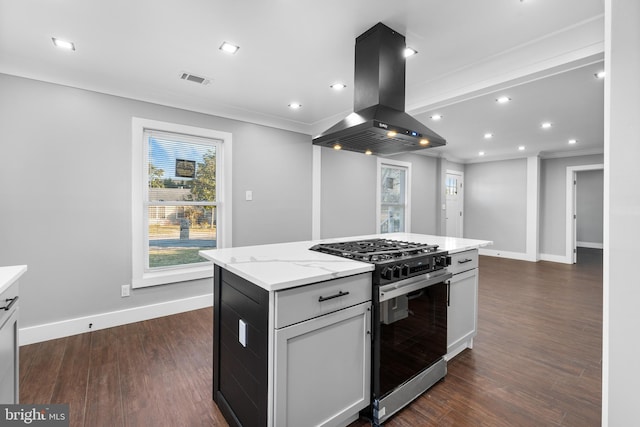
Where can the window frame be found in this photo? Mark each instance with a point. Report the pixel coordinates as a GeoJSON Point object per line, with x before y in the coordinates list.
{"type": "Point", "coordinates": [381, 162]}
{"type": "Point", "coordinates": [140, 237]}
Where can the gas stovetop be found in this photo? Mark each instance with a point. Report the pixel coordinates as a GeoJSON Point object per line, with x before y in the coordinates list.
{"type": "Point", "coordinates": [394, 260]}
{"type": "Point", "coordinates": [375, 250]}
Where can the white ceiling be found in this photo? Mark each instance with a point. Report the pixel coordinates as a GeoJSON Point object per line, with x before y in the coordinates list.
{"type": "Point", "coordinates": [541, 53]}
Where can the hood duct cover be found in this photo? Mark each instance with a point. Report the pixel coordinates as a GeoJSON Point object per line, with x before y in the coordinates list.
{"type": "Point", "coordinates": [379, 124]}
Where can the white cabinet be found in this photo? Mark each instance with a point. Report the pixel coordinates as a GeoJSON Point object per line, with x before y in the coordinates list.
{"type": "Point", "coordinates": [9, 374]}
{"type": "Point", "coordinates": [323, 364]}
{"type": "Point", "coordinates": [462, 314]}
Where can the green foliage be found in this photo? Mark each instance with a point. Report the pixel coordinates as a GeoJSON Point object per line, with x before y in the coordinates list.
{"type": "Point", "coordinates": [204, 183]}
{"type": "Point", "coordinates": [155, 177]}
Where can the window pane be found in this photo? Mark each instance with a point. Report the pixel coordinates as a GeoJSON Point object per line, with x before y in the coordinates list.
{"type": "Point", "coordinates": [452, 186]}
{"type": "Point", "coordinates": [177, 233]}
{"type": "Point", "coordinates": [393, 185]}
{"type": "Point", "coordinates": [181, 171]}
{"type": "Point", "coordinates": [393, 199]}
{"type": "Point", "coordinates": [392, 218]}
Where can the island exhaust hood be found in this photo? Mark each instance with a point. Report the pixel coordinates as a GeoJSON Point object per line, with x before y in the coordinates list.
{"type": "Point", "coordinates": [379, 124]}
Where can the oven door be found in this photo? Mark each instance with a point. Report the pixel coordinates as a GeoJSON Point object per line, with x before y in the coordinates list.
{"type": "Point", "coordinates": [411, 337]}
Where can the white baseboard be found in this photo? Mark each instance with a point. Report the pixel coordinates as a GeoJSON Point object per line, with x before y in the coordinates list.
{"type": "Point", "coordinates": [556, 258]}
{"type": "Point", "coordinates": [79, 325]}
{"type": "Point", "coordinates": [593, 245]}
{"type": "Point", "coordinates": [506, 254]}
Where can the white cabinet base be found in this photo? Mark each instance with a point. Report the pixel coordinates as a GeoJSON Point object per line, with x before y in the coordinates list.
{"type": "Point", "coordinates": [462, 315]}
{"type": "Point", "coordinates": [322, 373]}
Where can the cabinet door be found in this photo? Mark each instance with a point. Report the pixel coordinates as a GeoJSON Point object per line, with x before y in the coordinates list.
{"type": "Point", "coordinates": [462, 314]}
{"type": "Point", "coordinates": [9, 356]}
{"type": "Point", "coordinates": [322, 368]}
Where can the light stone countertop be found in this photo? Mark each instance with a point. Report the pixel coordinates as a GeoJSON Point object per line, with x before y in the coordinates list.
{"type": "Point", "coordinates": [280, 266]}
{"type": "Point", "coordinates": [8, 275]}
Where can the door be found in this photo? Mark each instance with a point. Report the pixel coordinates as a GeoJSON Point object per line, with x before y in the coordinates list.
{"type": "Point", "coordinates": [412, 334]}
{"type": "Point", "coordinates": [454, 203]}
{"type": "Point", "coordinates": [323, 368]}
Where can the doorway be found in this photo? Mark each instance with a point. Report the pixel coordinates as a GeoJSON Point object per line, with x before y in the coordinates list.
{"type": "Point", "coordinates": [584, 198]}
{"type": "Point", "coordinates": [454, 192]}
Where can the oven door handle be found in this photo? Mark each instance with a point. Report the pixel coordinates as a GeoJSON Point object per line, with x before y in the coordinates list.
{"type": "Point", "coordinates": [406, 286]}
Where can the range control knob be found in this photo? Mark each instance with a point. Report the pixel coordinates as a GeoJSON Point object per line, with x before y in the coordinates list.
{"type": "Point", "coordinates": [443, 261]}
{"type": "Point", "coordinates": [405, 270]}
{"type": "Point", "coordinates": [386, 273]}
{"type": "Point", "coordinates": [396, 271]}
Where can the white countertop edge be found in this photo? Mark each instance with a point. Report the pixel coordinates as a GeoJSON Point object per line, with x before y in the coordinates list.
{"type": "Point", "coordinates": [301, 281]}
{"type": "Point", "coordinates": [281, 266]}
{"type": "Point", "coordinates": [9, 275]}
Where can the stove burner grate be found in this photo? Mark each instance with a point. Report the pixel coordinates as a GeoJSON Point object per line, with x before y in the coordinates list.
{"type": "Point", "coordinates": [375, 250]}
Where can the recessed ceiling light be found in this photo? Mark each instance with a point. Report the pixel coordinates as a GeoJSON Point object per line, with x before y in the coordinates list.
{"type": "Point", "coordinates": [295, 105]}
{"type": "Point", "coordinates": [338, 86]}
{"type": "Point", "coordinates": [545, 125]}
{"type": "Point", "coordinates": [368, 152]}
{"type": "Point", "coordinates": [600, 75]}
{"type": "Point", "coordinates": [337, 147]}
{"type": "Point", "coordinates": [436, 117]}
{"type": "Point", "coordinates": [408, 51]}
{"type": "Point", "coordinates": [521, 148]}
{"type": "Point", "coordinates": [63, 44]}
{"type": "Point", "coordinates": [229, 48]}
{"type": "Point", "coordinates": [503, 100]}
{"type": "Point", "coordinates": [573, 141]}
{"type": "Point", "coordinates": [488, 135]}
{"type": "Point", "coordinates": [481, 153]}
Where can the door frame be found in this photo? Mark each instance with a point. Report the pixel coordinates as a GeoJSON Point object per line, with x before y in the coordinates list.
{"type": "Point", "coordinates": [570, 224]}
{"type": "Point", "coordinates": [461, 195]}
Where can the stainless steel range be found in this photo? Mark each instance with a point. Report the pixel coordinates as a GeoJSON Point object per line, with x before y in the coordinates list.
{"type": "Point", "coordinates": [394, 260]}
{"type": "Point", "coordinates": [410, 297]}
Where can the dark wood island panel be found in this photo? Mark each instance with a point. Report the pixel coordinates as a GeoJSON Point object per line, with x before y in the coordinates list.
{"type": "Point", "coordinates": [240, 374]}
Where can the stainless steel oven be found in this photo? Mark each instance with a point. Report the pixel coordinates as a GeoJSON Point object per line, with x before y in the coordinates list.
{"type": "Point", "coordinates": [409, 318]}
{"type": "Point", "coordinates": [410, 341]}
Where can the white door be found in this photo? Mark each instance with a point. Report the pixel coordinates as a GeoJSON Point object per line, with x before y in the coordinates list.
{"type": "Point", "coordinates": [454, 203]}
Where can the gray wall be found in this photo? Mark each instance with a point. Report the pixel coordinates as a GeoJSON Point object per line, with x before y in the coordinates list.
{"type": "Point", "coordinates": [348, 193]}
{"type": "Point", "coordinates": [553, 174]}
{"type": "Point", "coordinates": [589, 207]}
{"type": "Point", "coordinates": [66, 195]}
{"type": "Point", "coordinates": [425, 186]}
{"type": "Point", "coordinates": [495, 203]}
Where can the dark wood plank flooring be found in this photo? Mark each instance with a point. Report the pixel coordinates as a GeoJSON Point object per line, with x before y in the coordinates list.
{"type": "Point", "coordinates": [536, 361]}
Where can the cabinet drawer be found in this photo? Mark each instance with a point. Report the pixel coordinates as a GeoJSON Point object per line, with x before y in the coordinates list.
{"type": "Point", "coordinates": [10, 293]}
{"type": "Point", "coordinates": [306, 302]}
{"type": "Point", "coordinates": [463, 261]}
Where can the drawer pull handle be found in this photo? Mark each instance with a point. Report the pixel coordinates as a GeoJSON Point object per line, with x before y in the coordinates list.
{"type": "Point", "coordinates": [338, 295]}
{"type": "Point", "coordinates": [463, 261]}
{"type": "Point", "coordinates": [11, 301]}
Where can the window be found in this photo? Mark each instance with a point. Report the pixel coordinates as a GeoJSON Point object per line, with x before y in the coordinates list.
{"type": "Point", "coordinates": [452, 186]}
{"type": "Point", "coordinates": [178, 201]}
{"type": "Point", "coordinates": [394, 180]}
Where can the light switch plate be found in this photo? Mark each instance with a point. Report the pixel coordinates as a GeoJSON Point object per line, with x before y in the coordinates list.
{"type": "Point", "coordinates": [242, 332]}
{"type": "Point", "coordinates": [248, 195]}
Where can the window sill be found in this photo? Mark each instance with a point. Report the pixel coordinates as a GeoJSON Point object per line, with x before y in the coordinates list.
{"type": "Point", "coordinates": [163, 277]}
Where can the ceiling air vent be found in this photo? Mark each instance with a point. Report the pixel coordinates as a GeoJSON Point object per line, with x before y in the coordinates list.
{"type": "Point", "coordinates": [196, 79]}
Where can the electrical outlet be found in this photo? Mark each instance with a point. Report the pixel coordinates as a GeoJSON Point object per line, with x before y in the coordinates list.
{"type": "Point", "coordinates": [125, 291]}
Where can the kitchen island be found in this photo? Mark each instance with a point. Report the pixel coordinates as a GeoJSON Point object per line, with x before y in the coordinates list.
{"type": "Point", "coordinates": [292, 329]}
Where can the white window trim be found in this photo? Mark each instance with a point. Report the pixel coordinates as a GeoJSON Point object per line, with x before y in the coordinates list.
{"type": "Point", "coordinates": [407, 214]}
{"type": "Point", "coordinates": [140, 278]}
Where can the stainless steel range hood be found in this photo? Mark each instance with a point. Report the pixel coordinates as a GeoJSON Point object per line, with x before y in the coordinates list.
{"type": "Point", "coordinates": [379, 124]}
